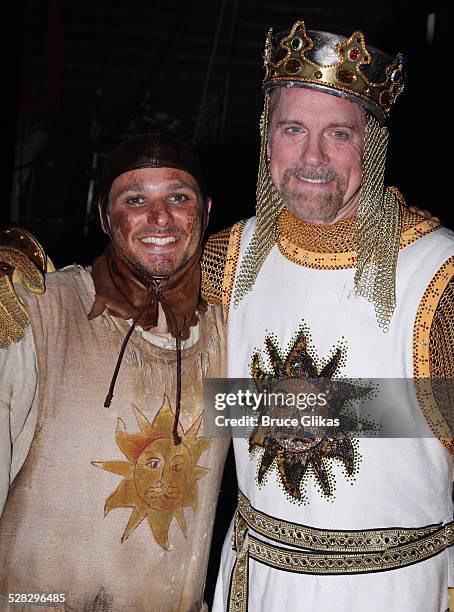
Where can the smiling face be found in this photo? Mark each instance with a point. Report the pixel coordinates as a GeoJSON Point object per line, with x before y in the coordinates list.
{"type": "Point", "coordinates": [155, 218]}
{"type": "Point", "coordinates": [159, 477]}
{"type": "Point", "coordinates": [315, 148]}
{"type": "Point", "coordinates": [162, 474]}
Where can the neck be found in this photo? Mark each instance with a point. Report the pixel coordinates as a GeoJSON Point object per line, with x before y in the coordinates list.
{"type": "Point", "coordinates": [169, 306]}
{"type": "Point", "coordinates": [161, 328]}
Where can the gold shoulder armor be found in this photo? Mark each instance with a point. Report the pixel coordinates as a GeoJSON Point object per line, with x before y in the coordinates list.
{"type": "Point", "coordinates": [22, 260]}
{"type": "Point", "coordinates": [433, 354]}
{"type": "Point", "coordinates": [219, 262]}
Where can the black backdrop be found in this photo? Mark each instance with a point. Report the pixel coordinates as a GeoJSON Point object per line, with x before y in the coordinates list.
{"type": "Point", "coordinates": [78, 76]}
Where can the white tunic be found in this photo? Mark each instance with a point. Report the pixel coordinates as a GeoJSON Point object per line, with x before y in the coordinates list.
{"type": "Point", "coordinates": [400, 482]}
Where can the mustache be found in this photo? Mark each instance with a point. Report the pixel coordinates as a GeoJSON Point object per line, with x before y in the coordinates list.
{"type": "Point", "coordinates": [310, 172]}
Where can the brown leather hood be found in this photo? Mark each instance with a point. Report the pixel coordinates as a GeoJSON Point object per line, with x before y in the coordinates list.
{"type": "Point", "coordinates": [127, 295]}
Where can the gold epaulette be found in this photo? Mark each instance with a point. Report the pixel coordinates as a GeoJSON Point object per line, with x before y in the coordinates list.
{"type": "Point", "coordinates": [433, 354]}
{"type": "Point", "coordinates": [219, 262]}
{"type": "Point", "coordinates": [22, 260]}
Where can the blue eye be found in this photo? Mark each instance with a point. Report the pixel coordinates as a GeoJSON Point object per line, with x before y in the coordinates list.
{"type": "Point", "coordinates": [293, 129]}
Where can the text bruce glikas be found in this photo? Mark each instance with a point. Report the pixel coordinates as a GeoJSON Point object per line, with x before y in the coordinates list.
{"type": "Point", "coordinates": [254, 401]}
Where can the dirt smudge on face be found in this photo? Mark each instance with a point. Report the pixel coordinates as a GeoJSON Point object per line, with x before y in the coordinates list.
{"type": "Point", "coordinates": [159, 203]}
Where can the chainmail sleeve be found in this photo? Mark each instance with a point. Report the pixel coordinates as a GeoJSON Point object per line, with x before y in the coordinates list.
{"type": "Point", "coordinates": [441, 342]}
{"type": "Point", "coordinates": [433, 349]}
{"type": "Point", "coordinates": [213, 265]}
{"type": "Point", "coordinates": [441, 355]}
{"type": "Point", "coordinates": [219, 264]}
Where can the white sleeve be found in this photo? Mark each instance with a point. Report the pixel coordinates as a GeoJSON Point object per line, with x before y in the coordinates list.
{"type": "Point", "coordinates": [18, 408]}
{"type": "Point", "coordinates": [451, 551]}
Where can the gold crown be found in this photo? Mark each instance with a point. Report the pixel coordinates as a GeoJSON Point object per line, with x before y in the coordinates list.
{"type": "Point", "coordinates": [330, 63]}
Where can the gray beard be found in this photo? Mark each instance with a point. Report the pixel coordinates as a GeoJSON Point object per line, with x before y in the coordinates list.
{"type": "Point", "coordinates": [310, 205]}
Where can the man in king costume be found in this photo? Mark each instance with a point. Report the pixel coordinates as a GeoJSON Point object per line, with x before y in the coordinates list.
{"type": "Point", "coordinates": [109, 504]}
{"type": "Point", "coordinates": [335, 277]}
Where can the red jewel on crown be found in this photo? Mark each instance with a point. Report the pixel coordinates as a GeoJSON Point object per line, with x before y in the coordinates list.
{"type": "Point", "coordinates": [354, 54]}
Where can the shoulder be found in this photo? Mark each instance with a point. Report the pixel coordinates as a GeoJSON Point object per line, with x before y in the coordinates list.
{"type": "Point", "coordinates": [219, 262]}
{"type": "Point", "coordinates": [416, 226]}
{"type": "Point", "coordinates": [23, 264]}
{"type": "Point", "coordinates": [69, 276]}
{"type": "Point", "coordinates": [72, 279]}
{"type": "Point", "coordinates": [212, 344]}
{"type": "Point", "coordinates": [69, 295]}
{"type": "Point", "coordinates": [424, 243]}
{"type": "Point", "coordinates": [214, 319]}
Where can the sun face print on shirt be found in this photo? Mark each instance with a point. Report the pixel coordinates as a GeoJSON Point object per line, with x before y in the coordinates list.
{"type": "Point", "coordinates": [159, 477]}
{"type": "Point", "coordinates": [301, 453]}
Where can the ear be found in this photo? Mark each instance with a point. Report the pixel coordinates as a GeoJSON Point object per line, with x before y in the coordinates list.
{"type": "Point", "coordinates": [268, 148]}
{"type": "Point", "coordinates": [104, 218]}
{"type": "Point", "coordinates": [207, 209]}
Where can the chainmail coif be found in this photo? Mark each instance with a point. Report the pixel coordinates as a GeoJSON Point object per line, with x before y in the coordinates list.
{"type": "Point", "coordinates": [378, 226]}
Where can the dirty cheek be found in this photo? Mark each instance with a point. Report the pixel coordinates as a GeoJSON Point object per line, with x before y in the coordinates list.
{"type": "Point", "coordinates": [193, 222]}
{"type": "Point", "coordinates": [122, 225]}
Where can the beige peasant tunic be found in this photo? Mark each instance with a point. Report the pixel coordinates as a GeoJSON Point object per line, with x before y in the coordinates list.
{"type": "Point", "coordinates": [101, 506]}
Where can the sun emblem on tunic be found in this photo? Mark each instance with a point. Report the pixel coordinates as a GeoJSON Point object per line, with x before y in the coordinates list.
{"type": "Point", "coordinates": [159, 477]}
{"type": "Point", "coordinates": [300, 452]}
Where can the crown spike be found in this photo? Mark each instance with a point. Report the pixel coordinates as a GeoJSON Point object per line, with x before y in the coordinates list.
{"type": "Point", "coordinates": [325, 61]}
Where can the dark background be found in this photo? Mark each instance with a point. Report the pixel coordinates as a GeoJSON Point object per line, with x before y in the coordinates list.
{"type": "Point", "coordinates": [79, 76]}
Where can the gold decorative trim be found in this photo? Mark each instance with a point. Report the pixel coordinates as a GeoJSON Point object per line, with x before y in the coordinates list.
{"type": "Point", "coordinates": [418, 231]}
{"type": "Point", "coordinates": [339, 237]}
{"type": "Point", "coordinates": [394, 554]}
{"type": "Point", "coordinates": [218, 266]}
{"type": "Point", "coordinates": [14, 264]}
{"type": "Point", "coordinates": [347, 259]}
{"type": "Point", "coordinates": [421, 353]}
{"type": "Point", "coordinates": [231, 263]}
{"type": "Point", "coordinates": [318, 261]}
{"type": "Point", "coordinates": [212, 266]}
{"type": "Point", "coordinates": [22, 261]}
{"type": "Point", "coordinates": [13, 316]}
{"type": "Point", "coordinates": [424, 317]}
{"type": "Point", "coordinates": [238, 595]}
{"type": "Point", "coordinates": [344, 74]}
{"type": "Point", "coordinates": [350, 563]}
{"type": "Point", "coordinates": [302, 536]}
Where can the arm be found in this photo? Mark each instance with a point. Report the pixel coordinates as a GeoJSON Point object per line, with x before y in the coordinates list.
{"type": "Point", "coordinates": [22, 260]}
{"type": "Point", "coordinates": [5, 452]}
{"type": "Point", "coordinates": [18, 408]}
{"type": "Point", "coordinates": [441, 354]}
{"type": "Point", "coordinates": [219, 263]}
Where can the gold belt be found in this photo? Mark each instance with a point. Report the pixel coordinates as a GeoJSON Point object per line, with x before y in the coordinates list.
{"type": "Point", "coordinates": [326, 552]}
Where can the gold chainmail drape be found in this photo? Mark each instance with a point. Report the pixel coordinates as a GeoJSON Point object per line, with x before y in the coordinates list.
{"type": "Point", "coordinates": [378, 226]}
{"type": "Point", "coordinates": [269, 205]}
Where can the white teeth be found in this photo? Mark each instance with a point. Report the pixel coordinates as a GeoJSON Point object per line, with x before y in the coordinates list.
{"type": "Point", "coordinates": [155, 240]}
{"type": "Point", "coordinates": [309, 180]}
